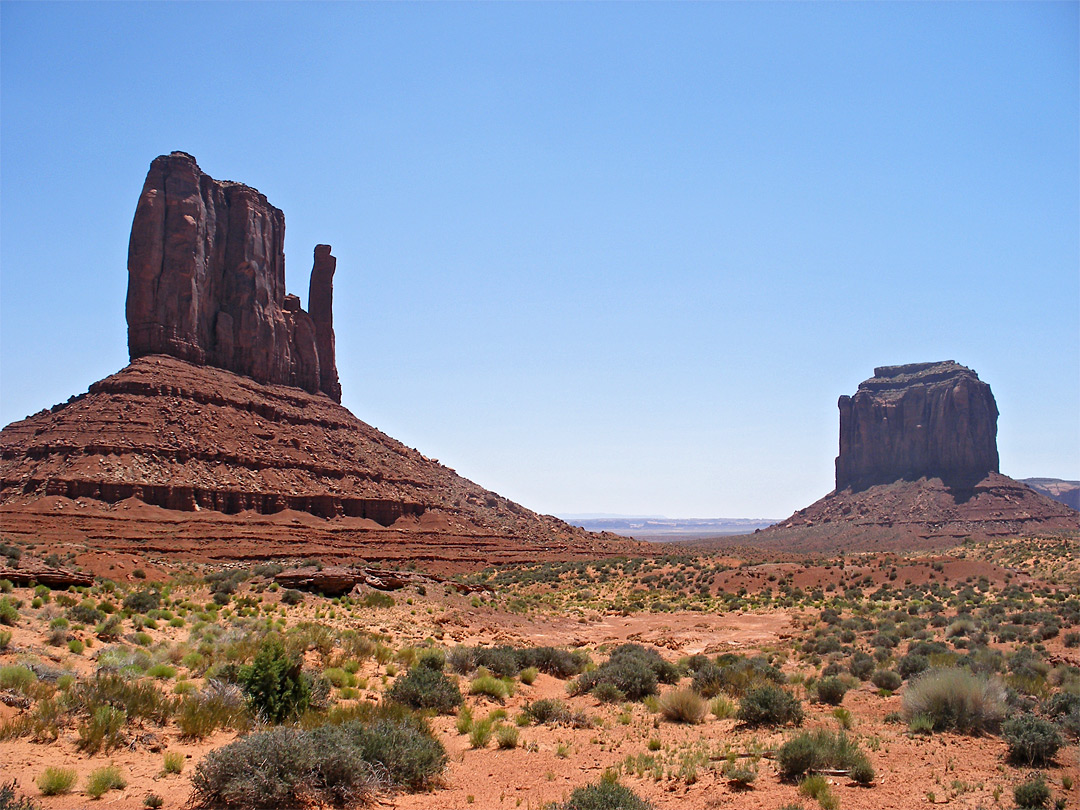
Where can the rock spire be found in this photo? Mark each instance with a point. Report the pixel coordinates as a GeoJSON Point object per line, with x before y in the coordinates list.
{"type": "Point", "coordinates": [206, 282]}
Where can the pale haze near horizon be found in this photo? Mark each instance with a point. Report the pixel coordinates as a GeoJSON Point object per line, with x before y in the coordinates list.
{"type": "Point", "coordinates": [600, 258]}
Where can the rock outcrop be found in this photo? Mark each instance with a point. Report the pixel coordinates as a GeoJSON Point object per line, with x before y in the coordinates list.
{"type": "Point", "coordinates": [223, 440]}
{"type": "Point", "coordinates": [206, 282]}
{"type": "Point", "coordinates": [922, 420]}
{"type": "Point", "coordinates": [918, 468]}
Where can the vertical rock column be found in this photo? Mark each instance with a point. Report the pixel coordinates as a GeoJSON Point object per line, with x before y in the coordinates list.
{"type": "Point", "coordinates": [320, 306]}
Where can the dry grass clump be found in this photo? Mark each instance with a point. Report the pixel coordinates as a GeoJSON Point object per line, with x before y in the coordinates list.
{"type": "Point", "coordinates": [683, 706]}
{"type": "Point", "coordinates": [956, 699]}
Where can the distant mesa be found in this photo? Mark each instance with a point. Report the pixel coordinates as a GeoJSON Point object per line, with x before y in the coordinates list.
{"type": "Point", "coordinates": [922, 420]}
{"type": "Point", "coordinates": [1066, 492]}
{"type": "Point", "coordinates": [223, 439]}
{"type": "Point", "coordinates": [918, 467]}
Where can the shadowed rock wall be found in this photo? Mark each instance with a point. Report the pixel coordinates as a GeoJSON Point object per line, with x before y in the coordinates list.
{"type": "Point", "coordinates": [206, 282]}
{"type": "Point", "coordinates": [933, 420]}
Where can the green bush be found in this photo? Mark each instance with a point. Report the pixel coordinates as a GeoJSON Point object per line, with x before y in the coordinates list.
{"type": "Point", "coordinates": [405, 748]}
{"type": "Point", "coordinates": [861, 666]}
{"type": "Point", "coordinates": [956, 699]}
{"type": "Point", "coordinates": [607, 692]}
{"type": "Point", "coordinates": [101, 781]}
{"type": "Point", "coordinates": [425, 688]}
{"type": "Point", "coordinates": [491, 686]}
{"type": "Point", "coordinates": [810, 751]}
{"type": "Point", "coordinates": [770, 706]}
{"type": "Point", "coordinates": [55, 781]}
{"type": "Point", "coordinates": [218, 705]}
{"type": "Point", "coordinates": [886, 679]}
{"type": "Point", "coordinates": [633, 670]}
{"type": "Point", "coordinates": [912, 664]}
{"type": "Point", "coordinates": [274, 684]}
{"type": "Point", "coordinates": [143, 601]}
{"type": "Point", "coordinates": [607, 795]}
{"type": "Point", "coordinates": [140, 700]}
{"type": "Point", "coordinates": [284, 767]}
{"type": "Point", "coordinates": [9, 614]}
{"type": "Point", "coordinates": [1033, 794]}
{"type": "Point", "coordinates": [1031, 740]}
{"type": "Point", "coordinates": [104, 729]}
{"type": "Point", "coordinates": [831, 691]}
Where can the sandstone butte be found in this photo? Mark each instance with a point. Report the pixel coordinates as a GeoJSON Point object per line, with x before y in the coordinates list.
{"type": "Point", "coordinates": [224, 438]}
{"type": "Point", "coordinates": [918, 468]}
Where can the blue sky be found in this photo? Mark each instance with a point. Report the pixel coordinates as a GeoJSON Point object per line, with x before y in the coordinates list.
{"type": "Point", "coordinates": [597, 257]}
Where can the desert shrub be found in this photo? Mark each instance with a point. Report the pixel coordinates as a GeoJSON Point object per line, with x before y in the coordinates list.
{"type": "Point", "coordinates": [274, 684]}
{"type": "Point", "coordinates": [291, 597]}
{"type": "Point", "coordinates": [461, 659]}
{"type": "Point", "coordinates": [737, 674]}
{"type": "Point", "coordinates": [606, 795]}
{"type": "Point", "coordinates": [861, 666]}
{"type": "Point", "coordinates": [528, 675]}
{"type": "Point", "coordinates": [770, 706]}
{"type": "Point", "coordinates": [283, 767]}
{"type": "Point", "coordinates": [740, 775]}
{"type": "Point", "coordinates": [143, 601]}
{"type": "Point", "coordinates": [721, 707]}
{"type": "Point", "coordinates": [956, 699]}
{"type": "Point", "coordinates": [554, 711]}
{"type": "Point", "coordinates": [217, 705]}
{"type": "Point", "coordinates": [173, 762]}
{"type": "Point", "coordinates": [683, 706]}
{"type": "Point", "coordinates": [86, 612]}
{"type": "Point", "coordinates": [431, 658]}
{"type": "Point", "coordinates": [632, 669]}
{"type": "Point", "coordinates": [1064, 709]}
{"type": "Point", "coordinates": [425, 688]}
{"type": "Point", "coordinates": [1031, 740]}
{"type": "Point", "coordinates": [377, 599]}
{"type": "Point", "coordinates": [886, 679]}
{"type": "Point", "coordinates": [817, 787]}
{"type": "Point", "coordinates": [506, 737]}
{"type": "Point", "coordinates": [912, 664]}
{"type": "Point", "coordinates": [810, 751]}
{"type": "Point", "coordinates": [480, 733]}
{"type": "Point", "coordinates": [5, 639]}
{"type": "Point", "coordinates": [140, 700]}
{"type": "Point", "coordinates": [9, 614]}
{"type": "Point", "coordinates": [708, 680]}
{"type": "Point", "coordinates": [55, 781]}
{"type": "Point", "coordinates": [1032, 794]}
{"type": "Point", "coordinates": [831, 691]}
{"type": "Point", "coordinates": [554, 661]}
{"type": "Point", "coordinates": [19, 678]}
{"type": "Point", "coordinates": [501, 661]}
{"type": "Point", "coordinates": [861, 771]}
{"type": "Point", "coordinates": [607, 692]}
{"type": "Point", "coordinates": [101, 781]}
{"type": "Point", "coordinates": [489, 685]}
{"type": "Point", "coordinates": [104, 729]}
{"type": "Point", "coordinates": [404, 748]}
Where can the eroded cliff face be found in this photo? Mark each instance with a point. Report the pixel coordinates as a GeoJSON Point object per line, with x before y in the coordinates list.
{"type": "Point", "coordinates": [923, 420]}
{"type": "Point", "coordinates": [206, 282]}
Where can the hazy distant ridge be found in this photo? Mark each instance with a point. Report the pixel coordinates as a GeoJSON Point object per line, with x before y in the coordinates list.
{"type": "Point", "coordinates": [669, 528]}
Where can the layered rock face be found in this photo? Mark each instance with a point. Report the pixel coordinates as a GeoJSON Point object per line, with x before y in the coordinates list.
{"type": "Point", "coordinates": [224, 440]}
{"type": "Point", "coordinates": [206, 282]}
{"type": "Point", "coordinates": [922, 420]}
{"type": "Point", "coordinates": [918, 468]}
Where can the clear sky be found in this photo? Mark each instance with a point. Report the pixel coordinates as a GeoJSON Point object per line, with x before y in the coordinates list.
{"type": "Point", "coordinates": [611, 257]}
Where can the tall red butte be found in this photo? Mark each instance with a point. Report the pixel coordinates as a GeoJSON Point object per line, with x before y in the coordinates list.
{"type": "Point", "coordinates": [223, 439]}
{"type": "Point", "coordinates": [918, 467]}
